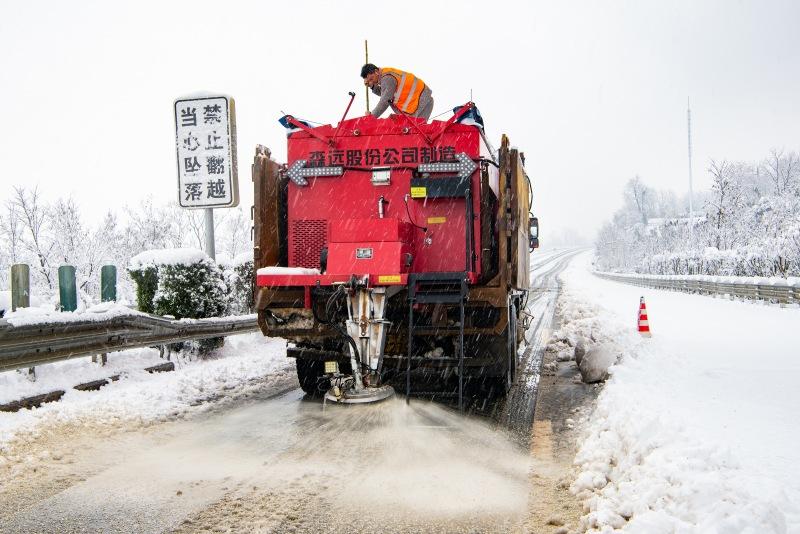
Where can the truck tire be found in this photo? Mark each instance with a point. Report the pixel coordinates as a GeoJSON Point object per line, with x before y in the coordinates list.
{"type": "Point", "coordinates": [309, 373]}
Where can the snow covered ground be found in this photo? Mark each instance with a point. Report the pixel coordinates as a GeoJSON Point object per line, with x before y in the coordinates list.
{"type": "Point", "coordinates": [139, 397]}
{"type": "Point", "coordinates": [697, 428]}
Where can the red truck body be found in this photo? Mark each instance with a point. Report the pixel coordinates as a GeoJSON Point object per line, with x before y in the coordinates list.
{"type": "Point", "coordinates": [391, 245]}
{"type": "Point", "coordinates": [341, 213]}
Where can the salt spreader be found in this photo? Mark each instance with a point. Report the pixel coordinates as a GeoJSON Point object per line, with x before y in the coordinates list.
{"type": "Point", "coordinates": [387, 246]}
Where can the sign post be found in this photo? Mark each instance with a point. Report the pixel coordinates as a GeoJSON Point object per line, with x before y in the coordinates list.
{"type": "Point", "coordinates": [205, 143]}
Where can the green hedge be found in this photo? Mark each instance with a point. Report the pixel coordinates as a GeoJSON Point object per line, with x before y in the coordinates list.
{"type": "Point", "coordinates": [146, 280]}
{"type": "Point", "coordinates": [191, 291]}
{"type": "Point", "coordinates": [182, 283]}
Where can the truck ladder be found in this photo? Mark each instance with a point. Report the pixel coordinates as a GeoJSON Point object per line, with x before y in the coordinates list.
{"type": "Point", "coordinates": [444, 288]}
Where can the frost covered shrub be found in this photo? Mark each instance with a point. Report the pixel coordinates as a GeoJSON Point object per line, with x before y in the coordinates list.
{"type": "Point", "coordinates": [183, 283]}
{"type": "Point", "coordinates": [242, 289]}
{"type": "Point", "coordinates": [190, 291]}
{"type": "Point", "coordinates": [146, 279]}
{"type": "Point", "coordinates": [239, 277]}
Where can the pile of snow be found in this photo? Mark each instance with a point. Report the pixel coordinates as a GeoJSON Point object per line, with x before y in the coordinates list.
{"type": "Point", "coordinates": [5, 302]}
{"type": "Point", "coordinates": [696, 429]}
{"type": "Point", "coordinates": [595, 363]}
{"type": "Point", "coordinates": [139, 398]}
{"type": "Point", "coordinates": [48, 314]}
{"type": "Point", "coordinates": [66, 374]}
{"type": "Point", "coordinates": [167, 256]}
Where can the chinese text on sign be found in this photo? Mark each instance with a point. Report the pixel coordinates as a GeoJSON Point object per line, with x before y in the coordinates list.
{"type": "Point", "coordinates": [205, 129]}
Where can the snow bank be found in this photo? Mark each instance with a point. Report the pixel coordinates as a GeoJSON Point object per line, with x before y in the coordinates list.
{"type": "Point", "coordinates": [167, 256]}
{"type": "Point", "coordinates": [64, 375]}
{"type": "Point", "coordinates": [696, 429]}
{"type": "Point", "coordinates": [5, 301]}
{"type": "Point", "coordinates": [47, 314]}
{"type": "Point", "coordinates": [139, 398]}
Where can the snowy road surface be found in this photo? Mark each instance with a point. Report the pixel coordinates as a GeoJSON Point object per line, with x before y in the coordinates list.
{"type": "Point", "coordinates": [233, 445]}
{"type": "Point", "coordinates": [698, 429]}
{"type": "Point", "coordinates": [283, 464]}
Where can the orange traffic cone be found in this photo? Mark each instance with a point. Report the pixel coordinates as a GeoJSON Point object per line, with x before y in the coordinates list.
{"type": "Point", "coordinates": [644, 324]}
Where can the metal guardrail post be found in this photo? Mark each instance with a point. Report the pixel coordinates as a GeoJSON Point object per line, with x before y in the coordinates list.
{"type": "Point", "coordinates": [20, 286]}
{"type": "Point", "coordinates": [67, 291]}
{"type": "Point", "coordinates": [108, 283]}
{"type": "Point", "coordinates": [108, 293]}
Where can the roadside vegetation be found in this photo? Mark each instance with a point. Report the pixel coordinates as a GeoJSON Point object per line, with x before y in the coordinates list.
{"type": "Point", "coordinates": [748, 224]}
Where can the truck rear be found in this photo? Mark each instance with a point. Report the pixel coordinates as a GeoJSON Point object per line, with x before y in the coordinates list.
{"type": "Point", "coordinates": [390, 246]}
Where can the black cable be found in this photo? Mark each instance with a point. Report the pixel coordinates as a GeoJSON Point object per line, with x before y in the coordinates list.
{"type": "Point", "coordinates": [489, 161]}
{"type": "Point", "coordinates": [349, 340]}
{"type": "Point", "coordinates": [317, 318]}
{"type": "Point", "coordinates": [331, 319]}
{"type": "Point", "coordinates": [335, 323]}
{"type": "Point", "coordinates": [408, 212]}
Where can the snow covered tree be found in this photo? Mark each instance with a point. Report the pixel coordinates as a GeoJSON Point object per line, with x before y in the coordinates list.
{"type": "Point", "coordinates": [726, 202]}
{"type": "Point", "coordinates": [239, 278]}
{"type": "Point", "coordinates": [783, 171]}
{"type": "Point", "coordinates": [234, 238]}
{"type": "Point", "coordinates": [750, 227]}
{"type": "Point", "coordinates": [639, 198]}
{"type": "Point", "coordinates": [151, 226]}
{"type": "Point", "coordinates": [76, 245]}
{"type": "Point", "coordinates": [36, 242]}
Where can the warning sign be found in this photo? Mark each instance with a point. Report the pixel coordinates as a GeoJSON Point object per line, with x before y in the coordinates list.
{"type": "Point", "coordinates": [419, 192]}
{"type": "Point", "coordinates": [205, 143]}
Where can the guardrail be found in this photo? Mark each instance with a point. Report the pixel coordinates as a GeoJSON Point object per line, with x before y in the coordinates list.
{"type": "Point", "coordinates": [773, 290]}
{"type": "Point", "coordinates": [34, 344]}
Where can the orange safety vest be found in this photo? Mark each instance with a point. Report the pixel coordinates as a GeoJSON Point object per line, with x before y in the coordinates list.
{"type": "Point", "coordinates": [409, 88]}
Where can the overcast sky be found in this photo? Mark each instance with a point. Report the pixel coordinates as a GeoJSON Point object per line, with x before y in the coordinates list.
{"type": "Point", "coordinates": [593, 92]}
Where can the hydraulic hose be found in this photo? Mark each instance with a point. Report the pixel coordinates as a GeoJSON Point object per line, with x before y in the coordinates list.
{"type": "Point", "coordinates": [332, 320]}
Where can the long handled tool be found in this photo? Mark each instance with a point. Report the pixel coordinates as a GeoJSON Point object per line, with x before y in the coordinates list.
{"type": "Point", "coordinates": [339, 126]}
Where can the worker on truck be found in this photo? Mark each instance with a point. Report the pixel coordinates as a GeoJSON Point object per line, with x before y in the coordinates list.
{"type": "Point", "coordinates": [402, 90]}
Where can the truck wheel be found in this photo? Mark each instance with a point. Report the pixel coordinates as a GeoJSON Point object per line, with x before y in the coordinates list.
{"type": "Point", "coordinates": [308, 374]}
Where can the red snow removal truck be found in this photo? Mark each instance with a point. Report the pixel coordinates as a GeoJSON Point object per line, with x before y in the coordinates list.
{"type": "Point", "coordinates": [391, 248]}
